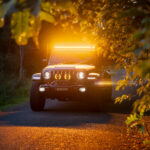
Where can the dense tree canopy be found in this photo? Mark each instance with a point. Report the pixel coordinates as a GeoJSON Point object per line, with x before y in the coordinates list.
{"type": "Point", "coordinates": [119, 28]}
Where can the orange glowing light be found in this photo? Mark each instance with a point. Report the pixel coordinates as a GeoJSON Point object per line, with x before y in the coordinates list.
{"type": "Point", "coordinates": [67, 76]}
{"type": "Point", "coordinates": [104, 83]}
{"type": "Point", "coordinates": [76, 66]}
{"type": "Point", "coordinates": [70, 47]}
{"type": "Point", "coordinates": [57, 76]}
{"type": "Point", "coordinates": [74, 47]}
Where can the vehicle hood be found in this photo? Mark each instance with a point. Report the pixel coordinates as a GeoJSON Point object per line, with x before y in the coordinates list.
{"type": "Point", "coordinates": [70, 67]}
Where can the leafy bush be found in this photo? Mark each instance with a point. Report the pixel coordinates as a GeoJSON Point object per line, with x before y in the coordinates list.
{"type": "Point", "coordinates": [11, 91]}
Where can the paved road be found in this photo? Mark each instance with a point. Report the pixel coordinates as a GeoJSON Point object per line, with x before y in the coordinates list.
{"type": "Point", "coordinates": [65, 126]}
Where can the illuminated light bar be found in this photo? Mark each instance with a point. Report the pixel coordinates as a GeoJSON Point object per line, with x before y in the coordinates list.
{"type": "Point", "coordinates": [74, 47]}
{"type": "Point", "coordinates": [62, 47]}
{"type": "Point", "coordinates": [85, 67]}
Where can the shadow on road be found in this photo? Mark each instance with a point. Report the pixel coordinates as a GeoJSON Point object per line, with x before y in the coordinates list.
{"type": "Point", "coordinates": [56, 114]}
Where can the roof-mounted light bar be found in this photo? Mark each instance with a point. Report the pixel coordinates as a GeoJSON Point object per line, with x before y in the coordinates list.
{"type": "Point", "coordinates": [68, 47]}
{"type": "Point", "coordinates": [74, 47]}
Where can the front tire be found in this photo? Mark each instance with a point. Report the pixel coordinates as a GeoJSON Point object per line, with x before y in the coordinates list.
{"type": "Point", "coordinates": [37, 100]}
{"type": "Point", "coordinates": [104, 99]}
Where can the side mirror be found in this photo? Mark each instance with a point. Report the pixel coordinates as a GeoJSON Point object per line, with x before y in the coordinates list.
{"type": "Point", "coordinates": [44, 60]}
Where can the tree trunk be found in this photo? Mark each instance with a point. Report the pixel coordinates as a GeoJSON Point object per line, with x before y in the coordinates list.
{"type": "Point", "coordinates": [21, 70]}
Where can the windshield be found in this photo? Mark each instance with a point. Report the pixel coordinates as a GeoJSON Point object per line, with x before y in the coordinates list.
{"type": "Point", "coordinates": [72, 57]}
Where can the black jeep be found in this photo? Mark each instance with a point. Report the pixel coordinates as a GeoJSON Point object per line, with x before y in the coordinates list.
{"type": "Point", "coordinates": [72, 74]}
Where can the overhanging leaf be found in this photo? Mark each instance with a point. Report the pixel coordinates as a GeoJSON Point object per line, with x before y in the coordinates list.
{"type": "Point", "coordinates": [46, 17]}
{"type": "Point", "coordinates": [21, 27]}
{"type": "Point", "coordinates": [4, 8]}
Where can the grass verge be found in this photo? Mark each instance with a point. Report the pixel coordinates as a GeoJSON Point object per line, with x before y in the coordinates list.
{"type": "Point", "coordinates": [13, 92]}
{"type": "Point", "coordinates": [12, 102]}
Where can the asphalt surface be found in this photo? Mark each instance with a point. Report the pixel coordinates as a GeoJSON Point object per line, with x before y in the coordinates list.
{"type": "Point", "coordinates": [67, 126]}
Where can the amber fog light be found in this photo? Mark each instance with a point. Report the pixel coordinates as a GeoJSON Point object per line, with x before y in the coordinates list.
{"type": "Point", "coordinates": [42, 89]}
{"type": "Point", "coordinates": [83, 89]}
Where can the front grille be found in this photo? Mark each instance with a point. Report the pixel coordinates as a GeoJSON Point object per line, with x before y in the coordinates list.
{"type": "Point", "coordinates": [63, 75]}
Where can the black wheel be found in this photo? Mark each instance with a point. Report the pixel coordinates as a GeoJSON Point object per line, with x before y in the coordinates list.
{"type": "Point", "coordinates": [37, 100]}
{"type": "Point", "coordinates": [104, 99]}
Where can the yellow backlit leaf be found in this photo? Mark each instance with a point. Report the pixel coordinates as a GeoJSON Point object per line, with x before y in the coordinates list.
{"type": "Point", "coordinates": [46, 17]}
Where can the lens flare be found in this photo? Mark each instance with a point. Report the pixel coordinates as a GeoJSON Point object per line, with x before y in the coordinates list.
{"type": "Point", "coordinates": [104, 83]}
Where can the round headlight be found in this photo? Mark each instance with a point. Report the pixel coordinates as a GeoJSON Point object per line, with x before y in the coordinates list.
{"type": "Point", "coordinates": [47, 75]}
{"type": "Point", "coordinates": [81, 75]}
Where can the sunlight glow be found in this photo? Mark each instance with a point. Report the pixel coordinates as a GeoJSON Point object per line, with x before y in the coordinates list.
{"type": "Point", "coordinates": [74, 47]}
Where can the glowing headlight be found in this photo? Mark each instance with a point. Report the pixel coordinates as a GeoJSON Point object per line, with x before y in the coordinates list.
{"type": "Point", "coordinates": [47, 75]}
{"type": "Point", "coordinates": [94, 74]}
{"type": "Point", "coordinates": [81, 75]}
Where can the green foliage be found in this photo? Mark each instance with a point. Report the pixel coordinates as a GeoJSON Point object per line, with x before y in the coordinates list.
{"type": "Point", "coordinates": [146, 142]}
{"type": "Point", "coordinates": [122, 84]}
{"type": "Point", "coordinates": [46, 17]}
{"type": "Point", "coordinates": [120, 30]}
{"type": "Point", "coordinates": [121, 99]}
{"type": "Point", "coordinates": [10, 94]}
{"type": "Point", "coordinates": [10, 89]}
{"type": "Point", "coordinates": [132, 119]}
{"type": "Point", "coordinates": [4, 8]}
{"type": "Point", "coordinates": [35, 29]}
{"type": "Point", "coordinates": [143, 69]}
{"type": "Point", "coordinates": [20, 27]}
{"type": "Point", "coordinates": [135, 120]}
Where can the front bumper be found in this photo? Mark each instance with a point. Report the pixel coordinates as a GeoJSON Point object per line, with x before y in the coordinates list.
{"type": "Point", "coordinates": [64, 92]}
{"type": "Point", "coordinates": [71, 92]}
